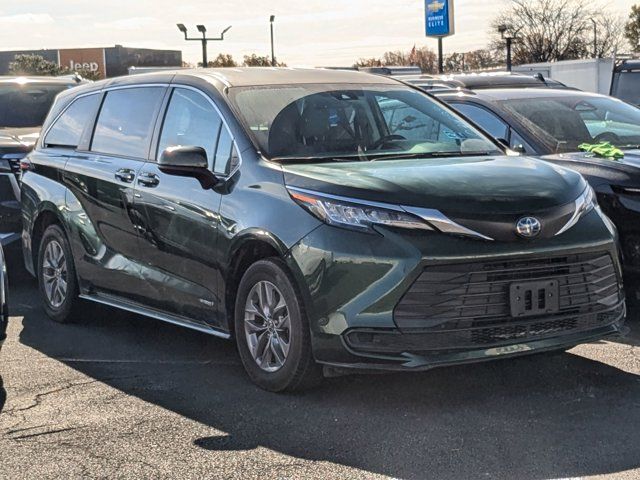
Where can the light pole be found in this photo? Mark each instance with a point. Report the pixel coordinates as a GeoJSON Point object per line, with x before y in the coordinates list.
{"type": "Point", "coordinates": [202, 29]}
{"type": "Point", "coordinates": [595, 38]}
{"type": "Point", "coordinates": [273, 55]}
{"type": "Point", "coordinates": [502, 29]}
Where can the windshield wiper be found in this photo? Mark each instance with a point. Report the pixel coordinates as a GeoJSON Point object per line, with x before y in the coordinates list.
{"type": "Point", "coordinates": [373, 157]}
{"type": "Point", "coordinates": [403, 156]}
{"type": "Point", "coordinates": [285, 160]}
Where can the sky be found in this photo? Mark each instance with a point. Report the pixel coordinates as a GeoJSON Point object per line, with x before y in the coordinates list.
{"type": "Point", "coordinates": [307, 33]}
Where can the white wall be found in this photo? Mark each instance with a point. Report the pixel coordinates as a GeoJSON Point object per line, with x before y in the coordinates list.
{"type": "Point", "coordinates": [593, 75]}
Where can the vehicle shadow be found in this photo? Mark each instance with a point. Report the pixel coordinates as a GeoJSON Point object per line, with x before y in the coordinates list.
{"type": "Point", "coordinates": [545, 416]}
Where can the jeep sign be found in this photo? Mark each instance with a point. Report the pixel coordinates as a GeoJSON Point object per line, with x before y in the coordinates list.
{"type": "Point", "coordinates": [87, 59]}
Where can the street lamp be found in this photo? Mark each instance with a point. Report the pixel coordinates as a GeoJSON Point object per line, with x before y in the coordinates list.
{"type": "Point", "coordinates": [595, 38]}
{"type": "Point", "coordinates": [502, 29]}
{"type": "Point", "coordinates": [273, 56]}
{"type": "Point", "coordinates": [203, 30]}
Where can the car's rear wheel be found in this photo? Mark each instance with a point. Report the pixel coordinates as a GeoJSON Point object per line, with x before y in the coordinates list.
{"type": "Point", "coordinates": [272, 330]}
{"type": "Point", "coordinates": [57, 276]}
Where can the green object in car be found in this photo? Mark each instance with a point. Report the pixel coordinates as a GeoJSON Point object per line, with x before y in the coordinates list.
{"type": "Point", "coordinates": [603, 149]}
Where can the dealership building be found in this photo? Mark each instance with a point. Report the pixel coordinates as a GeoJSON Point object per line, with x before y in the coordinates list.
{"type": "Point", "coordinates": [107, 62]}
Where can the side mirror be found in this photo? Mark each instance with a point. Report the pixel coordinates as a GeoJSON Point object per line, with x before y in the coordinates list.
{"type": "Point", "coordinates": [189, 161]}
{"type": "Point", "coordinates": [184, 157]}
{"type": "Point", "coordinates": [503, 142]}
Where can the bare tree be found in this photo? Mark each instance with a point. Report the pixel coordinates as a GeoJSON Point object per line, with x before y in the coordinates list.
{"type": "Point", "coordinates": [632, 28]}
{"type": "Point", "coordinates": [368, 62]}
{"type": "Point", "coordinates": [254, 60]}
{"type": "Point", "coordinates": [423, 57]}
{"type": "Point", "coordinates": [454, 62]}
{"type": "Point", "coordinates": [222, 60]}
{"type": "Point", "coordinates": [426, 59]}
{"type": "Point", "coordinates": [610, 34]}
{"type": "Point", "coordinates": [481, 59]}
{"type": "Point", "coordinates": [550, 30]}
{"type": "Point", "coordinates": [396, 58]}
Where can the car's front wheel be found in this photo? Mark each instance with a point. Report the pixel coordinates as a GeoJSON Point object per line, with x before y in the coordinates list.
{"type": "Point", "coordinates": [272, 330]}
{"type": "Point", "coordinates": [57, 276]}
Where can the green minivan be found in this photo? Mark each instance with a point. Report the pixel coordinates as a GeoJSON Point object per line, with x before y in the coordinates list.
{"type": "Point", "coordinates": [327, 221]}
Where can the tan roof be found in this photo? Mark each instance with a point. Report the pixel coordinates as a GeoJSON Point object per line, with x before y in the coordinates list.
{"type": "Point", "coordinates": [252, 76]}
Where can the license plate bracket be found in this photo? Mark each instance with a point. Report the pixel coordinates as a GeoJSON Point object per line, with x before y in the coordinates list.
{"type": "Point", "coordinates": [534, 298]}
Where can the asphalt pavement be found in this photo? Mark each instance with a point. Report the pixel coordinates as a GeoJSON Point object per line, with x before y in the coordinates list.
{"type": "Point", "coordinates": [122, 396]}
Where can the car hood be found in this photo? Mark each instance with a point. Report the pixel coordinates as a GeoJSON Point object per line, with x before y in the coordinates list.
{"type": "Point", "coordinates": [602, 171]}
{"type": "Point", "coordinates": [461, 187]}
{"type": "Point", "coordinates": [19, 138]}
{"type": "Point", "coordinates": [631, 159]}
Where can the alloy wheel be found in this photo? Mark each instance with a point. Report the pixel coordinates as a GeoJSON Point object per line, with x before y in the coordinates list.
{"type": "Point", "coordinates": [54, 274]}
{"type": "Point", "coordinates": [267, 326]}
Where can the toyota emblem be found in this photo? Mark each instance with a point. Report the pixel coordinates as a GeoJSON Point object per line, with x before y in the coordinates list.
{"type": "Point", "coordinates": [528, 227]}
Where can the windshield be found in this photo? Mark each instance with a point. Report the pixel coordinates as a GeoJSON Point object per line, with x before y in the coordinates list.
{"type": "Point", "coordinates": [626, 86]}
{"type": "Point", "coordinates": [565, 122]}
{"type": "Point", "coordinates": [338, 122]}
{"type": "Point", "coordinates": [26, 105]}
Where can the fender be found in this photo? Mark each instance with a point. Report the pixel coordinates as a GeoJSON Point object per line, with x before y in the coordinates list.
{"type": "Point", "coordinates": [252, 234]}
{"type": "Point", "coordinates": [39, 194]}
{"type": "Point", "coordinates": [255, 234]}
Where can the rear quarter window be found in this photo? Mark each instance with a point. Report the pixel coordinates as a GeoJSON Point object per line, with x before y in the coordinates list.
{"type": "Point", "coordinates": [67, 130]}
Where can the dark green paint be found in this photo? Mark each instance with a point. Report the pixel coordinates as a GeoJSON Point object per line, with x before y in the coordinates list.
{"type": "Point", "coordinates": [172, 248]}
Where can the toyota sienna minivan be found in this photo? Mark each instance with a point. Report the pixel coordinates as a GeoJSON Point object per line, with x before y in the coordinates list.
{"type": "Point", "coordinates": [326, 220]}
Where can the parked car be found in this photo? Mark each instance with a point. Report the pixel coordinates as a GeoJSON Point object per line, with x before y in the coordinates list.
{"type": "Point", "coordinates": [478, 81]}
{"type": "Point", "coordinates": [24, 104]}
{"type": "Point", "coordinates": [552, 124]}
{"type": "Point", "coordinates": [4, 298]}
{"type": "Point", "coordinates": [391, 70]}
{"type": "Point", "coordinates": [326, 219]}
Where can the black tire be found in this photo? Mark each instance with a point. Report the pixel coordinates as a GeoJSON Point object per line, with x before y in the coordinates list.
{"type": "Point", "coordinates": [69, 309]}
{"type": "Point", "coordinates": [299, 370]}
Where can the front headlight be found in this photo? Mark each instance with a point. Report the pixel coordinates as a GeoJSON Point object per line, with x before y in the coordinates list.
{"type": "Point", "coordinates": [360, 216]}
{"type": "Point", "coordinates": [583, 205]}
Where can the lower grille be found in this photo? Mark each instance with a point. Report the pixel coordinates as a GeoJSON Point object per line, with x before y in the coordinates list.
{"type": "Point", "coordinates": [468, 305]}
{"type": "Point", "coordinates": [438, 341]}
{"type": "Point", "coordinates": [477, 294]}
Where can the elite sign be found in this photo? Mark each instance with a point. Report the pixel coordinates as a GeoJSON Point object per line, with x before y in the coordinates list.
{"type": "Point", "coordinates": [439, 18]}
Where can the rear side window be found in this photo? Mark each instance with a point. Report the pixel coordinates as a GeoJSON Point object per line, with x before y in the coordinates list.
{"type": "Point", "coordinates": [67, 129]}
{"type": "Point", "coordinates": [126, 121]}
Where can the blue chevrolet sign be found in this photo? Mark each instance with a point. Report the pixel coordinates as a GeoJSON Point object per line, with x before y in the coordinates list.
{"type": "Point", "coordinates": [439, 18]}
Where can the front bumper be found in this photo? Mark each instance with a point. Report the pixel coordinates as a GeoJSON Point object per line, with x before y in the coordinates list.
{"type": "Point", "coordinates": [414, 362]}
{"type": "Point", "coordinates": [354, 282]}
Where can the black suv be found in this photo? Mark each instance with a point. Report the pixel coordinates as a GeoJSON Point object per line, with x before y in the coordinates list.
{"type": "Point", "coordinates": [323, 218]}
{"type": "Point", "coordinates": [24, 104]}
{"type": "Point", "coordinates": [478, 81]}
{"type": "Point", "coordinates": [552, 124]}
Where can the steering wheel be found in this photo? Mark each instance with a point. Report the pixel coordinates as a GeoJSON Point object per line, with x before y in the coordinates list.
{"type": "Point", "coordinates": [607, 137]}
{"type": "Point", "coordinates": [386, 139]}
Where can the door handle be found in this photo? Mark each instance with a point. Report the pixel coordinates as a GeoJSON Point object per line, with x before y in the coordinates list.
{"type": "Point", "coordinates": [125, 175]}
{"type": "Point", "coordinates": [148, 179]}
